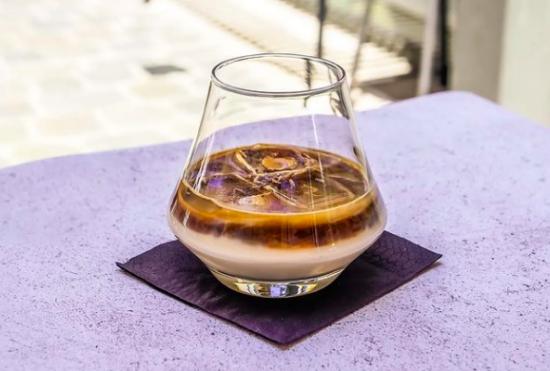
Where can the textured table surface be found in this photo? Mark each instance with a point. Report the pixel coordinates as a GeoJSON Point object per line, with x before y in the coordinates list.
{"type": "Point", "coordinates": [459, 175]}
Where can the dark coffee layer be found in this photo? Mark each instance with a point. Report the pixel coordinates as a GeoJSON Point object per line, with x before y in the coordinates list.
{"type": "Point", "coordinates": [289, 233]}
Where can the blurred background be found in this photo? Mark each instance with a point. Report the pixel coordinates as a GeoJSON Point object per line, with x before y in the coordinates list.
{"type": "Point", "coordinates": [80, 76]}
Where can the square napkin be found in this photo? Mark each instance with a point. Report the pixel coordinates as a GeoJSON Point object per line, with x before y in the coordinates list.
{"type": "Point", "coordinates": [389, 263]}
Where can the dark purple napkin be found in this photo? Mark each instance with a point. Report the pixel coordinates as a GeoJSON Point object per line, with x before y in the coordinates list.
{"type": "Point", "coordinates": [389, 263]}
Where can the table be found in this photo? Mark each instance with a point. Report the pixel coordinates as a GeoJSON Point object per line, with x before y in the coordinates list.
{"type": "Point", "coordinates": [459, 175]}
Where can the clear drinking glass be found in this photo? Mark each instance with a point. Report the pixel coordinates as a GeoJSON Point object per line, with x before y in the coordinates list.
{"type": "Point", "coordinates": [276, 197]}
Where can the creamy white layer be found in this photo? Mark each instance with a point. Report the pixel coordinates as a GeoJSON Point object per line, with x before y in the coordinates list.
{"type": "Point", "coordinates": [233, 257]}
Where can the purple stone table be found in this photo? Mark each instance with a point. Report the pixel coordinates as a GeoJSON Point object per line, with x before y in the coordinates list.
{"type": "Point", "coordinates": [459, 174]}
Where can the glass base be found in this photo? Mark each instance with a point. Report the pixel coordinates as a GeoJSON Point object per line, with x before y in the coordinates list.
{"type": "Point", "coordinates": [276, 289]}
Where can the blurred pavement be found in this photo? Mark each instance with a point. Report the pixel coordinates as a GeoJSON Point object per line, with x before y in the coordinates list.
{"type": "Point", "coordinates": [74, 78]}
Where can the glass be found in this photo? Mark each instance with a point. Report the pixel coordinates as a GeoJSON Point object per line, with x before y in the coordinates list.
{"type": "Point", "coordinates": [276, 197]}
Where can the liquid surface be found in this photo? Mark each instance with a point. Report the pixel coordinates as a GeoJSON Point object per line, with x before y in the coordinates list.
{"type": "Point", "coordinates": [276, 197]}
{"type": "Point", "coordinates": [274, 179]}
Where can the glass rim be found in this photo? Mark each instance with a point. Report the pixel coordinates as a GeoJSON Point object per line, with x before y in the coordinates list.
{"type": "Point", "coordinates": [341, 75]}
